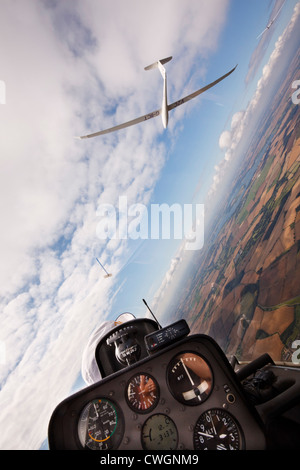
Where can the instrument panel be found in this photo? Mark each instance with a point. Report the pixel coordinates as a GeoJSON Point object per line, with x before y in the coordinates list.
{"type": "Point", "coordinates": [185, 397]}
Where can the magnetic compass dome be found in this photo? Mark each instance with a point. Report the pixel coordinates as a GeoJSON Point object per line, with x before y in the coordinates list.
{"type": "Point", "coordinates": [89, 368]}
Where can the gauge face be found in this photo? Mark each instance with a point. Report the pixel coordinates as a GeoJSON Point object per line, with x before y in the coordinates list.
{"type": "Point", "coordinates": [159, 433]}
{"type": "Point", "coordinates": [101, 425]}
{"type": "Point", "coordinates": [190, 378]}
{"type": "Point", "coordinates": [142, 393]}
{"type": "Point", "coordinates": [217, 430]}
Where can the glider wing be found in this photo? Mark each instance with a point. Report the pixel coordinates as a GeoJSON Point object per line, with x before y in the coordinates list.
{"type": "Point", "coordinates": [262, 33]}
{"type": "Point", "coordinates": [198, 92]}
{"type": "Point", "coordinates": [126, 124]}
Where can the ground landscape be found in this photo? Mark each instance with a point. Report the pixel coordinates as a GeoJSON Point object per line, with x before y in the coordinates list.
{"type": "Point", "coordinates": [244, 289]}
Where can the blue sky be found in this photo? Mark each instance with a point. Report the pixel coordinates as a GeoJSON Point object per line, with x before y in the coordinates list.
{"type": "Point", "coordinates": [73, 67]}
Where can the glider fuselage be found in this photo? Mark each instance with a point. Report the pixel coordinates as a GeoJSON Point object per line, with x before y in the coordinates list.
{"type": "Point", "coordinates": [164, 106]}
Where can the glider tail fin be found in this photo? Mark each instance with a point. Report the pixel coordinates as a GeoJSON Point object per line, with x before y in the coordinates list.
{"type": "Point", "coordinates": [155, 65]}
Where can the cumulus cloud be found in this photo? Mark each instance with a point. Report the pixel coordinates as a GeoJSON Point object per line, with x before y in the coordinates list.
{"type": "Point", "coordinates": [71, 67]}
{"type": "Point", "coordinates": [228, 141]}
{"type": "Point", "coordinates": [225, 139]}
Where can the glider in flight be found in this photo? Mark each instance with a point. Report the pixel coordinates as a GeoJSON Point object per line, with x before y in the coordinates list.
{"type": "Point", "coordinates": [165, 108]}
{"type": "Point", "coordinates": [107, 274]}
{"type": "Point", "coordinates": [270, 23]}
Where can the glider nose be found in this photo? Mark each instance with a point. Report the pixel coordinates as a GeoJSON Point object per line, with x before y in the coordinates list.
{"type": "Point", "coordinates": [165, 119]}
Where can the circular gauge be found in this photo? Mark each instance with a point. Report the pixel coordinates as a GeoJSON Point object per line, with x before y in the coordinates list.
{"type": "Point", "coordinates": [101, 425]}
{"type": "Point", "coordinates": [159, 433]}
{"type": "Point", "coordinates": [217, 430]}
{"type": "Point", "coordinates": [142, 393]}
{"type": "Point", "coordinates": [190, 378]}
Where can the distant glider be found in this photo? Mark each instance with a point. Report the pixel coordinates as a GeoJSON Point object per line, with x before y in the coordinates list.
{"type": "Point", "coordinates": [164, 110]}
{"type": "Point", "coordinates": [107, 274]}
{"type": "Point", "coordinates": [271, 22]}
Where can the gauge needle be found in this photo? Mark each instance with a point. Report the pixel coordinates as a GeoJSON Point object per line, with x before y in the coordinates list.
{"type": "Point", "coordinates": [205, 434]}
{"type": "Point", "coordinates": [96, 412]}
{"type": "Point", "coordinates": [213, 425]}
{"type": "Point", "coordinates": [187, 372]}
